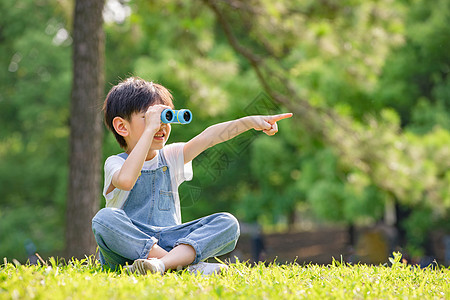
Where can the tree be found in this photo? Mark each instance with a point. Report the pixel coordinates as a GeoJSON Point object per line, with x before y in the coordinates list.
{"type": "Point", "coordinates": [85, 126]}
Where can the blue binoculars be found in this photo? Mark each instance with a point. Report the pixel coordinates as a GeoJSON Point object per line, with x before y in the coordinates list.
{"type": "Point", "coordinates": [182, 116]}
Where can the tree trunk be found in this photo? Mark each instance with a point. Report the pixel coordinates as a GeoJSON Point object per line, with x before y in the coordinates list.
{"type": "Point", "coordinates": [85, 127]}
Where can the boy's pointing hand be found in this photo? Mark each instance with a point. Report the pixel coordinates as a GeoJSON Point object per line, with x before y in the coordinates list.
{"type": "Point", "coordinates": [268, 124]}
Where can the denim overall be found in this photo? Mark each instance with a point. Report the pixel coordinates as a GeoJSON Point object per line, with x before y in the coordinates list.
{"type": "Point", "coordinates": [151, 200]}
{"type": "Point", "coordinates": [150, 216]}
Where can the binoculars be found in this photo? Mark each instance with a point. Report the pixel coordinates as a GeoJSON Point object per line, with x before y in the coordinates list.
{"type": "Point", "coordinates": [182, 116]}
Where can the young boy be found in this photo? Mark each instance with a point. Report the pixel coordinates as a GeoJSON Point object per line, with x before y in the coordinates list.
{"type": "Point", "coordinates": [141, 224]}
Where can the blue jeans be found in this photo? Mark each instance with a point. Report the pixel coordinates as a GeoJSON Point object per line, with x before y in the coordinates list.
{"type": "Point", "coordinates": [122, 240]}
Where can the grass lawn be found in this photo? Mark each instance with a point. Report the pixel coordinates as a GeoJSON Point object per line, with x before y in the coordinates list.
{"type": "Point", "coordinates": [85, 280]}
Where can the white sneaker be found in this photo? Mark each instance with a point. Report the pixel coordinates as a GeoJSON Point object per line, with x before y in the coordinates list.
{"type": "Point", "coordinates": [144, 266]}
{"type": "Point", "coordinates": [207, 268]}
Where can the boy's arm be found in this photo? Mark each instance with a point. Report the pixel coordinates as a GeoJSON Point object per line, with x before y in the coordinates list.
{"type": "Point", "coordinates": [126, 177]}
{"type": "Point", "coordinates": [222, 132]}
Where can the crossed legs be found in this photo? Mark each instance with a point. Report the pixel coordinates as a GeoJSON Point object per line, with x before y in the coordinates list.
{"type": "Point", "coordinates": [123, 241]}
{"type": "Point", "coordinates": [180, 256]}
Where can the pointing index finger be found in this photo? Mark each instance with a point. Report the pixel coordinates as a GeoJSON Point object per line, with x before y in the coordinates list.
{"type": "Point", "coordinates": [279, 117]}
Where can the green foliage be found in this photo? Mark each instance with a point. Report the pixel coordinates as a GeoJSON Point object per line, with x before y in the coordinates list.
{"type": "Point", "coordinates": [334, 195]}
{"type": "Point", "coordinates": [417, 227]}
{"type": "Point", "coordinates": [273, 190]}
{"type": "Point", "coordinates": [34, 111]}
{"type": "Point", "coordinates": [415, 77]}
{"type": "Point", "coordinates": [84, 279]}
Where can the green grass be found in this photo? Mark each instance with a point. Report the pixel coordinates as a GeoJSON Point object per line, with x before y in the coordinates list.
{"type": "Point", "coordinates": [85, 280]}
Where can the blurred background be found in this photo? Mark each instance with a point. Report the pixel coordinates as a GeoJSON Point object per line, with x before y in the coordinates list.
{"type": "Point", "coordinates": [361, 170]}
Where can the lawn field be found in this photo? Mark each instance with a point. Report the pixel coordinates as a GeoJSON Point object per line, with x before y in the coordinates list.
{"type": "Point", "coordinates": [85, 280]}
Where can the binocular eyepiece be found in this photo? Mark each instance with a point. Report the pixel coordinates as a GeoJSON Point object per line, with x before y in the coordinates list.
{"type": "Point", "coordinates": [182, 116]}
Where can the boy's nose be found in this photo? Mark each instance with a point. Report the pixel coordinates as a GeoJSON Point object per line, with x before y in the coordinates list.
{"type": "Point", "coordinates": [164, 126]}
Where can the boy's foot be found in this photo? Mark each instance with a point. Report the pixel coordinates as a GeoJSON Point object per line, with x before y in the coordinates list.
{"type": "Point", "coordinates": [207, 268]}
{"type": "Point", "coordinates": [144, 266]}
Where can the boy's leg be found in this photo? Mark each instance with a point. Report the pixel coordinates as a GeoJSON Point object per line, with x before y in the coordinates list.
{"type": "Point", "coordinates": [180, 256]}
{"type": "Point", "coordinates": [177, 258]}
{"type": "Point", "coordinates": [120, 240]}
{"type": "Point", "coordinates": [193, 242]}
{"type": "Point", "coordinates": [157, 252]}
{"type": "Point", "coordinates": [209, 236]}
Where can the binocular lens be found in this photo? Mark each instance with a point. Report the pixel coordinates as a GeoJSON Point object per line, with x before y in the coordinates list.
{"type": "Point", "coordinates": [169, 115]}
{"type": "Point", "coordinates": [187, 116]}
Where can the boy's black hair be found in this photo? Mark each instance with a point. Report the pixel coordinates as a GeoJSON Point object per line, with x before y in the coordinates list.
{"type": "Point", "coordinates": [132, 95]}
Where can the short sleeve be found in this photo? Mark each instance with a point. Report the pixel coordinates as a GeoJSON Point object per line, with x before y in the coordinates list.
{"type": "Point", "coordinates": [174, 154]}
{"type": "Point", "coordinates": [112, 165]}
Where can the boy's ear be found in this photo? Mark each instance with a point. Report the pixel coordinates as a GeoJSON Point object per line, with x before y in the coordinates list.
{"type": "Point", "coordinates": [120, 126]}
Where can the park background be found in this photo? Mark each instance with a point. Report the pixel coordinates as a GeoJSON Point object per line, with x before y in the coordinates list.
{"type": "Point", "coordinates": [365, 159]}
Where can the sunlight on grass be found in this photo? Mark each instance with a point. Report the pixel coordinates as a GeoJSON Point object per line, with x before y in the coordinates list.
{"type": "Point", "coordinates": [84, 279]}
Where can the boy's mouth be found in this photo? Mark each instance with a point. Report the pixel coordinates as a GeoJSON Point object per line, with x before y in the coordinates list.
{"type": "Point", "coordinates": [159, 135]}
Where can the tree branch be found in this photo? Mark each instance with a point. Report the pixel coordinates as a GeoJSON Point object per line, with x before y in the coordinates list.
{"type": "Point", "coordinates": [315, 119]}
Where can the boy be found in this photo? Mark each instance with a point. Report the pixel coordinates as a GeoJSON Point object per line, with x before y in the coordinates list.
{"type": "Point", "coordinates": [141, 223]}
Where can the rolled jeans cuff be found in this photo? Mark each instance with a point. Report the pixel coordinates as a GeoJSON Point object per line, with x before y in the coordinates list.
{"type": "Point", "coordinates": [198, 253]}
{"type": "Point", "coordinates": [147, 247]}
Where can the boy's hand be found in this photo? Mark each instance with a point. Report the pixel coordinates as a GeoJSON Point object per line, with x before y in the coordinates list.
{"type": "Point", "coordinates": [268, 124]}
{"type": "Point", "coordinates": [153, 117]}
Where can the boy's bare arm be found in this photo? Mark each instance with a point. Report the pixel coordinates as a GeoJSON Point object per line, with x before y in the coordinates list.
{"type": "Point", "coordinates": [222, 132]}
{"type": "Point", "coordinates": [126, 177]}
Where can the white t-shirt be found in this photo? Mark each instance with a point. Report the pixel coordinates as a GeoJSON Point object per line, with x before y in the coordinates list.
{"type": "Point", "coordinates": [179, 172]}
